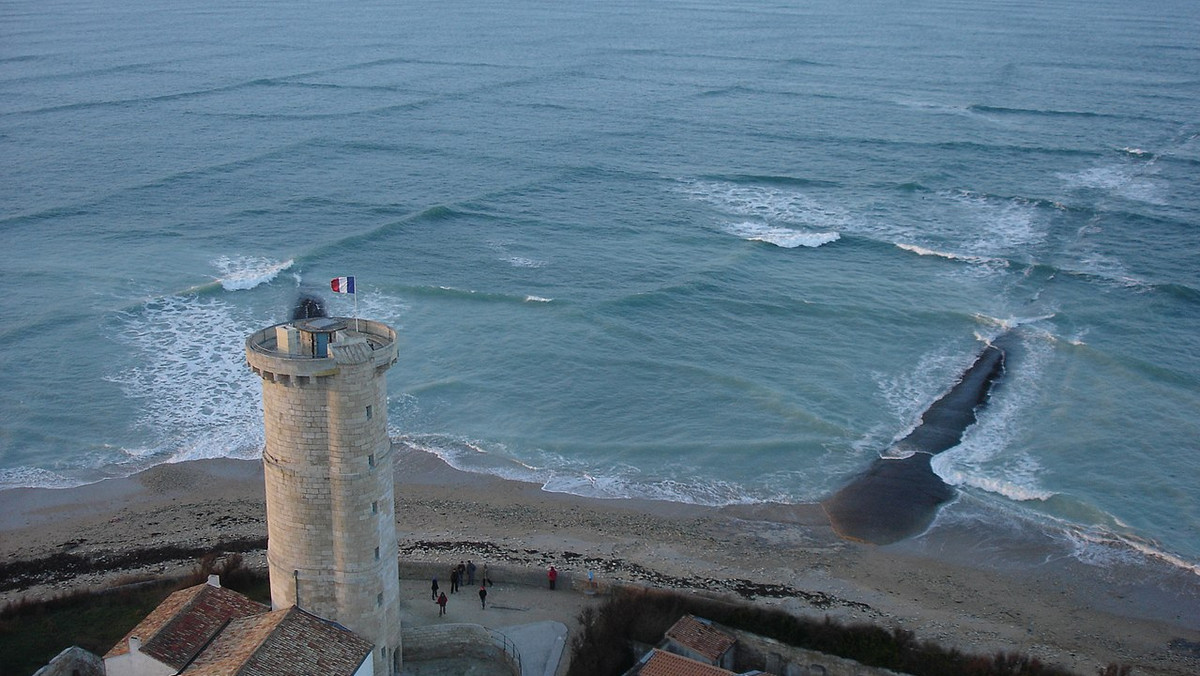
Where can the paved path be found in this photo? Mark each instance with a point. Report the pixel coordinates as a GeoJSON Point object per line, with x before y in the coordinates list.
{"type": "Point", "coordinates": [538, 621]}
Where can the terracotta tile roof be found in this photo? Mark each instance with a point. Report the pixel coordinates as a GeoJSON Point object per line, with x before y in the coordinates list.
{"type": "Point", "coordinates": [663, 663]}
{"type": "Point", "coordinates": [289, 642]}
{"type": "Point", "coordinates": [700, 637]}
{"type": "Point", "coordinates": [185, 621]}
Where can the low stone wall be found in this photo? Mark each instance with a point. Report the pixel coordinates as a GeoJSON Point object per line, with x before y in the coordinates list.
{"type": "Point", "coordinates": [450, 641]}
{"type": "Point", "coordinates": [785, 660]}
{"type": "Point", "coordinates": [518, 575]}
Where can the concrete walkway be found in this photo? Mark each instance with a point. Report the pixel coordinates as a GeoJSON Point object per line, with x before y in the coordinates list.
{"type": "Point", "coordinates": [535, 619]}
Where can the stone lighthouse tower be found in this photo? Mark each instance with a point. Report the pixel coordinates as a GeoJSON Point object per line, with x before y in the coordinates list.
{"type": "Point", "coordinates": [331, 527]}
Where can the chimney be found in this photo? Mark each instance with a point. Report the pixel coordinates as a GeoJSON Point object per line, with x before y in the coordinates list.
{"type": "Point", "coordinates": [214, 581]}
{"type": "Point", "coordinates": [135, 644]}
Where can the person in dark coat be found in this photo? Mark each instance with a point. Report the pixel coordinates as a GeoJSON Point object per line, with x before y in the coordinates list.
{"type": "Point", "coordinates": [483, 598]}
{"type": "Point", "coordinates": [453, 580]}
{"type": "Point", "coordinates": [435, 588]}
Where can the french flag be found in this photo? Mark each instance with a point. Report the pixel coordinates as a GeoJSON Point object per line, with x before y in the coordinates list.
{"type": "Point", "coordinates": [342, 284]}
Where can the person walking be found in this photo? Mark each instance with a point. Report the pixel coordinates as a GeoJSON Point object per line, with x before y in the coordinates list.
{"type": "Point", "coordinates": [470, 572]}
{"type": "Point", "coordinates": [553, 575]}
{"type": "Point", "coordinates": [482, 597]}
{"type": "Point", "coordinates": [435, 588]}
{"type": "Point", "coordinates": [441, 601]}
{"type": "Point", "coordinates": [453, 580]}
{"type": "Point", "coordinates": [487, 580]}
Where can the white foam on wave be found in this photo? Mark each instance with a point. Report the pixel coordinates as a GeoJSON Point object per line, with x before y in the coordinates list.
{"type": "Point", "coordinates": [501, 247]}
{"type": "Point", "coordinates": [1007, 323]}
{"type": "Point", "coordinates": [537, 299]}
{"type": "Point", "coordinates": [620, 485]}
{"type": "Point", "coordinates": [190, 385]}
{"type": "Point", "coordinates": [1017, 483]}
{"type": "Point", "coordinates": [240, 273]}
{"type": "Point", "coordinates": [1107, 267]}
{"type": "Point", "coordinates": [997, 226]}
{"type": "Point", "coordinates": [766, 202]}
{"type": "Point", "coordinates": [1100, 547]}
{"type": "Point", "coordinates": [558, 474]}
{"type": "Point", "coordinates": [472, 455]}
{"type": "Point", "coordinates": [786, 238]}
{"type": "Point", "coordinates": [21, 477]}
{"type": "Point", "coordinates": [523, 262]}
{"type": "Point", "coordinates": [987, 458]}
{"type": "Point", "coordinates": [923, 251]}
{"type": "Point", "coordinates": [907, 395]}
{"type": "Point", "coordinates": [1131, 180]}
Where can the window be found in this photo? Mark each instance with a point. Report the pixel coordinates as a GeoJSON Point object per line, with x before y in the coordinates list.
{"type": "Point", "coordinates": [378, 601]}
{"type": "Point", "coordinates": [371, 460]}
{"type": "Point", "coordinates": [375, 507]}
{"type": "Point", "coordinates": [370, 412]}
{"type": "Point", "coordinates": [376, 553]}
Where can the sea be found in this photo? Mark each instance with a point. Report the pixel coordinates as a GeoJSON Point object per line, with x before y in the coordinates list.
{"type": "Point", "coordinates": [713, 252]}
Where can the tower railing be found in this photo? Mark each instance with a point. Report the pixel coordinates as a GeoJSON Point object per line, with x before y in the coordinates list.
{"type": "Point", "coordinates": [376, 333]}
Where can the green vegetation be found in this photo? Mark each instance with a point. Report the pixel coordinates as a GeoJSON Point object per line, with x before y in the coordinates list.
{"type": "Point", "coordinates": [33, 632]}
{"type": "Point", "coordinates": [603, 645]}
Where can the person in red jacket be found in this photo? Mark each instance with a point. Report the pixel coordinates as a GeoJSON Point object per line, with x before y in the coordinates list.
{"type": "Point", "coordinates": [553, 575]}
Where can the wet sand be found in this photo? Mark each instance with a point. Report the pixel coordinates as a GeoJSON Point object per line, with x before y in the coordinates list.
{"type": "Point", "coordinates": [972, 587]}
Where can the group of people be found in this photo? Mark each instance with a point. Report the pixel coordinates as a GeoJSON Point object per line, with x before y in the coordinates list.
{"type": "Point", "coordinates": [464, 574]}
{"type": "Point", "coordinates": [461, 575]}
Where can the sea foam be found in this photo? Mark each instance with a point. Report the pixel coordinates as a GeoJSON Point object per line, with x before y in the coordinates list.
{"type": "Point", "coordinates": [786, 238]}
{"type": "Point", "coordinates": [190, 385]}
{"type": "Point", "coordinates": [246, 272]}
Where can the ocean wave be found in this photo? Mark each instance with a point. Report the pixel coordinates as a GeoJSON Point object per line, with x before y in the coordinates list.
{"type": "Point", "coordinates": [34, 477]}
{"type": "Point", "coordinates": [240, 273]}
{"type": "Point", "coordinates": [923, 251]}
{"type": "Point", "coordinates": [767, 179]}
{"type": "Point", "coordinates": [1007, 323]}
{"type": "Point", "coordinates": [1046, 112]}
{"type": "Point", "coordinates": [1017, 486]}
{"type": "Point", "coordinates": [769, 204]}
{"type": "Point", "coordinates": [523, 262]}
{"type": "Point", "coordinates": [1131, 181]}
{"type": "Point", "coordinates": [786, 238]}
{"type": "Point", "coordinates": [988, 458]}
{"type": "Point", "coordinates": [193, 394]}
{"type": "Point", "coordinates": [452, 292]}
{"type": "Point", "coordinates": [1105, 548]}
{"type": "Point", "coordinates": [557, 474]}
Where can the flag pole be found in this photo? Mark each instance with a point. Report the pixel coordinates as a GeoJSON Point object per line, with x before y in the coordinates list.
{"type": "Point", "coordinates": [356, 328]}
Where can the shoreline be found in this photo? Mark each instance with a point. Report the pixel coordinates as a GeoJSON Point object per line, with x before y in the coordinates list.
{"type": "Point", "coordinates": [977, 588]}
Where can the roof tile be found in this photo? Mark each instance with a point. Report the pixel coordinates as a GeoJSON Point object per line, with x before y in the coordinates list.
{"type": "Point", "coordinates": [288, 642]}
{"type": "Point", "coordinates": [185, 621]}
{"type": "Point", "coordinates": [663, 663]}
{"type": "Point", "coordinates": [701, 637]}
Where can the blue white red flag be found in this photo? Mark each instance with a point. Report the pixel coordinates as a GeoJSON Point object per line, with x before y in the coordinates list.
{"type": "Point", "coordinates": [342, 284]}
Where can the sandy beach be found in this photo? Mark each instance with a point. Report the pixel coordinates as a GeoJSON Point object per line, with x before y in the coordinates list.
{"type": "Point", "coordinates": [973, 588]}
